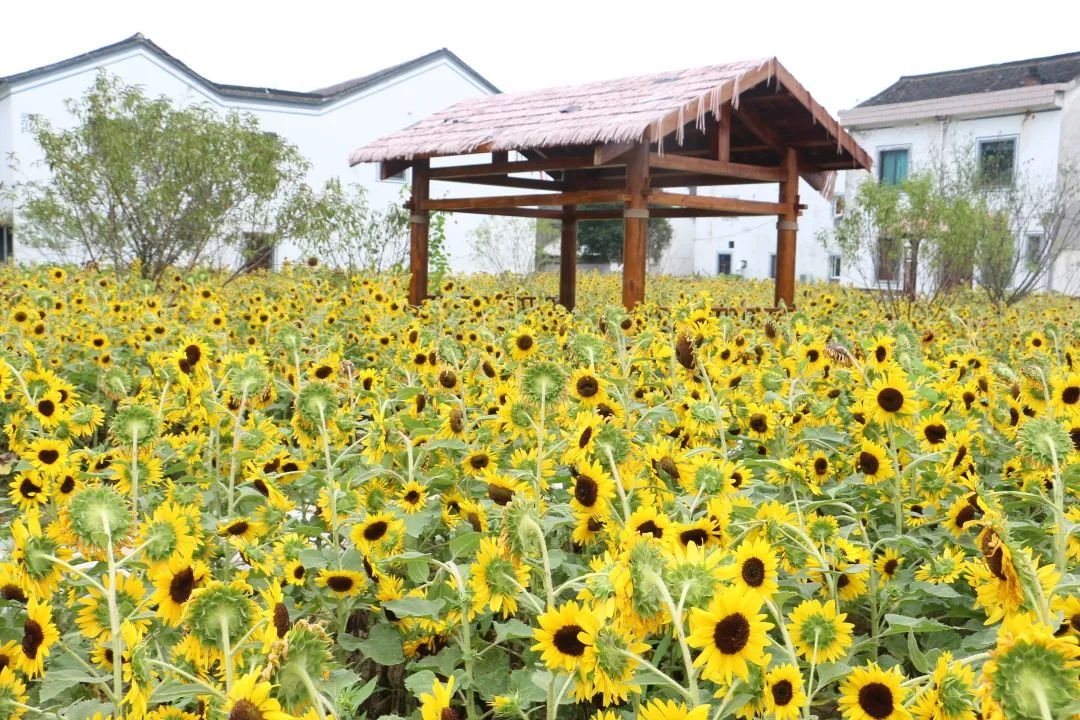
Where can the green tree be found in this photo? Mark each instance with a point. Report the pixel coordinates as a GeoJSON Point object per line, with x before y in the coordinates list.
{"type": "Point", "coordinates": [139, 182]}
{"type": "Point", "coordinates": [602, 240]}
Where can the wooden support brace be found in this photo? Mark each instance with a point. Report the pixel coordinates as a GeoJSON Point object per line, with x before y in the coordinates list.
{"type": "Point", "coordinates": [786, 229]}
{"type": "Point", "coordinates": [418, 235]}
{"type": "Point", "coordinates": [635, 226]}
{"type": "Point", "coordinates": [568, 252]}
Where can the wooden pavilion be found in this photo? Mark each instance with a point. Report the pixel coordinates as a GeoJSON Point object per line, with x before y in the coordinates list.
{"type": "Point", "coordinates": [628, 146]}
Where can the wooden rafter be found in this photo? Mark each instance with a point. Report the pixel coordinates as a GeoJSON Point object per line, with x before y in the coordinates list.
{"type": "Point", "coordinates": [578, 197]}
{"type": "Point", "coordinates": [743, 171]}
{"type": "Point", "coordinates": [735, 206]}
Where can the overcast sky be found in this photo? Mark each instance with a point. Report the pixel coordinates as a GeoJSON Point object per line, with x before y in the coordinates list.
{"type": "Point", "coordinates": [841, 52]}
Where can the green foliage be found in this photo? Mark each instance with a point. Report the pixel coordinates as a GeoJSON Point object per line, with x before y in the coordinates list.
{"type": "Point", "coordinates": [139, 182]}
{"type": "Point", "coordinates": [602, 240]}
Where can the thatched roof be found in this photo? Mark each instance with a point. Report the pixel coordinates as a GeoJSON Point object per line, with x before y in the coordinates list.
{"type": "Point", "coordinates": [612, 111]}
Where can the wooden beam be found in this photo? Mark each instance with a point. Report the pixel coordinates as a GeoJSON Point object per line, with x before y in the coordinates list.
{"type": "Point", "coordinates": [608, 153]}
{"type": "Point", "coordinates": [508, 181]}
{"type": "Point", "coordinates": [579, 197]}
{"type": "Point", "coordinates": [568, 250]}
{"type": "Point", "coordinates": [787, 224]}
{"type": "Point", "coordinates": [743, 171]}
{"type": "Point", "coordinates": [418, 234]}
{"type": "Point", "coordinates": [735, 206]}
{"type": "Point", "coordinates": [654, 212]}
{"type": "Point", "coordinates": [690, 110]}
{"type": "Point", "coordinates": [500, 156]}
{"type": "Point", "coordinates": [391, 168]}
{"type": "Point", "coordinates": [525, 212]}
{"type": "Point", "coordinates": [635, 225]}
{"type": "Point", "coordinates": [505, 168]}
{"type": "Point", "coordinates": [720, 140]}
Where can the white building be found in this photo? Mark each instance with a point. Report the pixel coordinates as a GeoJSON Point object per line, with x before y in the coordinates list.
{"type": "Point", "coordinates": [1025, 114]}
{"type": "Point", "coordinates": [324, 124]}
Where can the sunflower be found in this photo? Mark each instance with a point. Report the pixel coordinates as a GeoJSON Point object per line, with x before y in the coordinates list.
{"type": "Point", "coordinates": [412, 497]}
{"type": "Point", "coordinates": [593, 489]}
{"type": "Point", "coordinates": [501, 488]}
{"type": "Point", "coordinates": [586, 387]}
{"type": "Point", "coordinates": [436, 704]}
{"type": "Point", "coordinates": [29, 489]}
{"type": "Point", "coordinates": [167, 534]}
{"type": "Point", "coordinates": [242, 529]}
{"type": "Point", "coordinates": [49, 410]}
{"type": "Point", "coordinates": [249, 699]}
{"type": "Point", "coordinates": [174, 582]}
{"type": "Point", "coordinates": [1031, 673]}
{"type": "Point", "coordinates": [558, 639]}
{"type": "Point", "coordinates": [943, 569]}
{"type": "Point", "coordinates": [608, 653]}
{"type": "Point", "coordinates": [888, 564]}
{"type": "Point", "coordinates": [496, 579]}
{"type": "Point", "coordinates": [881, 350]}
{"type": "Point", "coordinates": [93, 618]}
{"type": "Point", "coordinates": [932, 431]}
{"type": "Point", "coordinates": [889, 399]}
{"type": "Point", "coordinates": [761, 422]}
{"type": "Point", "coordinates": [523, 343]}
{"type": "Point", "coordinates": [658, 709]}
{"type": "Point", "coordinates": [870, 693]}
{"type": "Point", "coordinates": [784, 696]}
{"type": "Point", "coordinates": [951, 693]}
{"type": "Point", "coordinates": [39, 635]}
{"type": "Point", "coordinates": [648, 521]}
{"type": "Point", "coordinates": [872, 460]}
{"type": "Point", "coordinates": [341, 583]}
{"type": "Point", "coordinates": [48, 457]}
{"type": "Point", "coordinates": [755, 571]}
{"type": "Point", "coordinates": [378, 533]}
{"type": "Point", "coordinates": [1065, 395]}
{"type": "Point", "coordinates": [731, 634]}
{"type": "Point", "coordinates": [13, 697]}
{"type": "Point", "coordinates": [818, 632]}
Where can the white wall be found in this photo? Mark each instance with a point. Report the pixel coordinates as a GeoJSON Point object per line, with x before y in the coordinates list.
{"type": "Point", "coordinates": [324, 134]}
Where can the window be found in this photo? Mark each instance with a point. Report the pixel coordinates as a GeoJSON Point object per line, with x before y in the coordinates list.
{"type": "Point", "coordinates": [772, 265]}
{"type": "Point", "coordinates": [1033, 252]}
{"type": "Point", "coordinates": [258, 251]}
{"type": "Point", "coordinates": [7, 243]}
{"type": "Point", "coordinates": [893, 166]}
{"type": "Point", "coordinates": [997, 160]}
{"type": "Point", "coordinates": [887, 262]}
{"type": "Point", "coordinates": [400, 177]}
{"type": "Point", "coordinates": [730, 244]}
{"type": "Point", "coordinates": [838, 206]}
{"type": "Point", "coordinates": [723, 264]}
{"type": "Point", "coordinates": [834, 267]}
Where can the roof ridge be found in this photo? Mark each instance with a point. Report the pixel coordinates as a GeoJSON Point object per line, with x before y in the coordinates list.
{"type": "Point", "coordinates": [249, 91]}
{"type": "Point", "coordinates": [989, 66]}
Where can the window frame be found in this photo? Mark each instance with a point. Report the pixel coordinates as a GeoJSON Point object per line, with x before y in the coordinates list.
{"type": "Point", "coordinates": [772, 266]}
{"type": "Point", "coordinates": [881, 150]}
{"type": "Point", "coordinates": [402, 178]}
{"type": "Point", "coordinates": [7, 243]}
{"type": "Point", "coordinates": [835, 266]}
{"type": "Point", "coordinates": [982, 142]}
{"type": "Point", "coordinates": [730, 266]}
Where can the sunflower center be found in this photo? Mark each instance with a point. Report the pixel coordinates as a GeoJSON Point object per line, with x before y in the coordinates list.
{"type": "Point", "coordinates": [244, 709]}
{"type": "Point", "coordinates": [412, 497]}
{"type": "Point", "coordinates": [650, 528]}
{"type": "Point", "coordinates": [12, 592]}
{"type": "Point", "coordinates": [323, 372]}
{"type": "Point", "coordinates": [448, 714]}
{"type": "Point", "coordinates": [890, 399]}
{"type": "Point", "coordinates": [181, 585]}
{"type": "Point", "coordinates": [587, 386]}
{"type": "Point", "coordinates": [67, 485]}
{"type": "Point", "coordinates": [731, 634]}
{"type": "Point", "coordinates": [759, 423]}
{"type": "Point", "coordinates": [595, 525]}
{"type": "Point", "coordinates": [586, 491]}
{"type": "Point", "coordinates": [876, 700]}
{"type": "Point", "coordinates": [669, 467]}
{"type": "Point", "coordinates": [298, 572]}
{"type": "Point", "coordinates": [782, 692]}
{"type": "Point", "coordinates": [500, 495]}
{"type": "Point", "coordinates": [48, 456]}
{"type": "Point", "coordinates": [935, 433]}
{"type": "Point", "coordinates": [238, 528]}
{"type": "Point", "coordinates": [46, 407]}
{"type": "Point", "coordinates": [281, 620]}
{"type": "Point", "coordinates": [880, 353]}
{"type": "Point", "coordinates": [479, 462]}
{"type": "Point", "coordinates": [375, 530]}
{"type": "Point", "coordinates": [753, 572]}
{"type": "Point", "coordinates": [966, 515]}
{"type": "Point", "coordinates": [33, 637]}
{"type": "Point", "coordinates": [1070, 395]}
{"type": "Point", "coordinates": [566, 641]}
{"type": "Point", "coordinates": [448, 379]}
{"type": "Point", "coordinates": [868, 463]}
{"type": "Point", "coordinates": [340, 583]}
{"type": "Point", "coordinates": [821, 466]}
{"type": "Point", "coordinates": [524, 343]}
{"type": "Point", "coordinates": [697, 536]}
{"type": "Point", "coordinates": [890, 566]}
{"type": "Point", "coordinates": [29, 489]}
{"type": "Point", "coordinates": [585, 437]}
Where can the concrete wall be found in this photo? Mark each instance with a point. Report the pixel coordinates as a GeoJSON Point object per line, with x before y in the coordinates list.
{"type": "Point", "coordinates": [324, 135]}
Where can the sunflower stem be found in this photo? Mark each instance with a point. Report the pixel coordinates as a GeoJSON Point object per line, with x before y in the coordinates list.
{"type": "Point", "coordinates": [71, 568]}
{"type": "Point", "coordinates": [135, 470]}
{"type": "Point", "coordinates": [223, 623]}
{"type": "Point", "coordinates": [680, 634]}
{"type": "Point", "coordinates": [114, 619]}
{"type": "Point", "coordinates": [810, 677]}
{"type": "Point", "coordinates": [331, 486]}
{"type": "Point", "coordinates": [235, 450]}
{"type": "Point", "coordinates": [658, 673]}
{"type": "Point", "coordinates": [316, 697]}
{"type": "Point", "coordinates": [727, 698]}
{"type": "Point", "coordinates": [623, 497]}
{"type": "Point", "coordinates": [187, 676]}
{"type": "Point", "coordinates": [783, 631]}
{"type": "Point", "coordinates": [1060, 535]}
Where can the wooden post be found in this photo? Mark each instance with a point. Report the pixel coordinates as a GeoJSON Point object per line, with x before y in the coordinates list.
{"type": "Point", "coordinates": [568, 258]}
{"type": "Point", "coordinates": [786, 227]}
{"type": "Point", "coordinates": [635, 225]}
{"type": "Point", "coordinates": [720, 141]}
{"type": "Point", "coordinates": [418, 234]}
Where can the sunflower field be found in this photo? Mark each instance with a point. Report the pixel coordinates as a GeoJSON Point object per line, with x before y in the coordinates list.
{"type": "Point", "coordinates": [293, 496]}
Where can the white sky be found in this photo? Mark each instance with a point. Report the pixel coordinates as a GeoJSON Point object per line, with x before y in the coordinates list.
{"type": "Point", "coordinates": [841, 52]}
